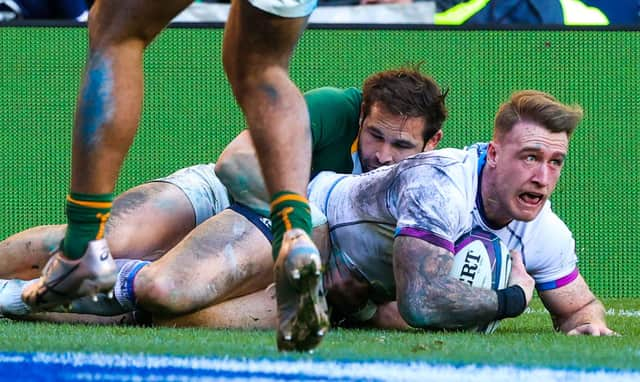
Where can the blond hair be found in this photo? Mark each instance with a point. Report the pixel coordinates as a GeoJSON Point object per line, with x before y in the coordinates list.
{"type": "Point", "coordinates": [537, 107]}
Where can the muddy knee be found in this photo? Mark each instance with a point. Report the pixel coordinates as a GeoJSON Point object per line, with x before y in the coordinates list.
{"type": "Point", "coordinates": [162, 295]}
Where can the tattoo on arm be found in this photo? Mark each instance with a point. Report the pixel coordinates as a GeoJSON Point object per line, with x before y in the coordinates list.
{"type": "Point", "coordinates": [431, 297]}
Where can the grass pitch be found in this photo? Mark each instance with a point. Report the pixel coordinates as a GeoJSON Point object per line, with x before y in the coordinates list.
{"type": "Point", "coordinates": [526, 341]}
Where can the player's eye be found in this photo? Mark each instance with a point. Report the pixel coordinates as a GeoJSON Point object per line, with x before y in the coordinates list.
{"type": "Point", "coordinates": [376, 135]}
{"type": "Point", "coordinates": [557, 162]}
{"type": "Point", "coordinates": [403, 145]}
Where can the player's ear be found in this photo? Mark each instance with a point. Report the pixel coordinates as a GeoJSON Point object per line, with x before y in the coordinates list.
{"type": "Point", "coordinates": [434, 141]}
{"type": "Point", "coordinates": [492, 153]}
{"type": "Point", "coordinates": [361, 118]}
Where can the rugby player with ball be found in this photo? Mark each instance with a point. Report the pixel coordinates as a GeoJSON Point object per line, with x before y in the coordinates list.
{"type": "Point", "coordinates": [396, 227]}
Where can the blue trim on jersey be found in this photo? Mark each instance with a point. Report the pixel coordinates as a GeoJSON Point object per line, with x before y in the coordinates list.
{"type": "Point", "coordinates": [482, 160]}
{"type": "Point", "coordinates": [356, 222]}
{"type": "Point", "coordinates": [562, 281]}
{"type": "Point", "coordinates": [496, 277]}
{"type": "Point", "coordinates": [258, 220]}
{"type": "Point", "coordinates": [482, 157]}
{"type": "Point", "coordinates": [326, 200]}
{"type": "Point", "coordinates": [520, 242]}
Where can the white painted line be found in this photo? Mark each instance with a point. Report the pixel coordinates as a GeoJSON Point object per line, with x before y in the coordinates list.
{"type": "Point", "coordinates": [609, 312]}
{"type": "Point", "coordinates": [623, 312]}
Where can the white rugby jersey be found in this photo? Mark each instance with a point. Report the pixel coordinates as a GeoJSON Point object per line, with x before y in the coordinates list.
{"type": "Point", "coordinates": [432, 196]}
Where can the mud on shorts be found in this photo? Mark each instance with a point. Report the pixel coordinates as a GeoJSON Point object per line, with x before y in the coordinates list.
{"type": "Point", "coordinates": [208, 196]}
{"type": "Point", "coordinates": [286, 8]}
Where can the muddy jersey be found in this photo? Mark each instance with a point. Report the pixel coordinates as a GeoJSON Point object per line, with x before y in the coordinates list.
{"type": "Point", "coordinates": [433, 197]}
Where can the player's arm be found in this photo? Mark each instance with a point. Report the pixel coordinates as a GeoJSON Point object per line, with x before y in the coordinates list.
{"type": "Point", "coordinates": [238, 169]}
{"type": "Point", "coordinates": [575, 310]}
{"type": "Point", "coordinates": [429, 298]}
{"type": "Point", "coordinates": [334, 117]}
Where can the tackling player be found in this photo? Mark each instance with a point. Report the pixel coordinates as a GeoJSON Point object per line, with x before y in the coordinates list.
{"type": "Point", "coordinates": [398, 113]}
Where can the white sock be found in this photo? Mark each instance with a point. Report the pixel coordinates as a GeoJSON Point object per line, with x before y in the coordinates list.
{"type": "Point", "coordinates": [11, 297]}
{"type": "Point", "coordinates": [123, 290]}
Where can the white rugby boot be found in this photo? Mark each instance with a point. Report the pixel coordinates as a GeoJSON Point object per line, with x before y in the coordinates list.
{"type": "Point", "coordinates": [303, 319]}
{"type": "Point", "coordinates": [64, 280]}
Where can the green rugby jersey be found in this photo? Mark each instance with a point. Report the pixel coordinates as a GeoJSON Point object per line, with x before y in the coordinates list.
{"type": "Point", "coordinates": [334, 115]}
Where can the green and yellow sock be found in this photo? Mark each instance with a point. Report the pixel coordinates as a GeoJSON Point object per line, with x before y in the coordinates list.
{"type": "Point", "coordinates": [87, 215]}
{"type": "Point", "coordinates": [288, 210]}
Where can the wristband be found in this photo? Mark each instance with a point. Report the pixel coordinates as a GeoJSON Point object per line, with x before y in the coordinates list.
{"type": "Point", "coordinates": [511, 302]}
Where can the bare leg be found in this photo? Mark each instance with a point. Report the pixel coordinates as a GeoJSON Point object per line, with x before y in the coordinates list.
{"type": "Point", "coordinates": [222, 258]}
{"type": "Point", "coordinates": [258, 311]}
{"type": "Point", "coordinates": [146, 221]}
{"type": "Point", "coordinates": [106, 120]}
{"type": "Point", "coordinates": [253, 311]}
{"type": "Point", "coordinates": [256, 53]}
{"type": "Point", "coordinates": [23, 254]}
{"type": "Point", "coordinates": [71, 318]}
{"type": "Point", "coordinates": [110, 99]}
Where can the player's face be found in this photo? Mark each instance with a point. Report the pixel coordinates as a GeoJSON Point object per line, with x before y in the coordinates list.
{"type": "Point", "coordinates": [527, 163]}
{"type": "Point", "coordinates": [386, 138]}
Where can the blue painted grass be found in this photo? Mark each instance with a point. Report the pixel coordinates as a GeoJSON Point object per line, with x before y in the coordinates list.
{"type": "Point", "coordinates": [126, 367]}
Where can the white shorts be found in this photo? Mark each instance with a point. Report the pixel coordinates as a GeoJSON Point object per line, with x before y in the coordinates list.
{"type": "Point", "coordinates": [207, 194]}
{"type": "Point", "coordinates": [286, 8]}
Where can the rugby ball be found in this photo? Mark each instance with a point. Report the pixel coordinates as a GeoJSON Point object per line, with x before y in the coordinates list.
{"type": "Point", "coordinates": [482, 260]}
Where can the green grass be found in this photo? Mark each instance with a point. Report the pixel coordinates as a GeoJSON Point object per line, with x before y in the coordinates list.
{"type": "Point", "coordinates": [525, 341]}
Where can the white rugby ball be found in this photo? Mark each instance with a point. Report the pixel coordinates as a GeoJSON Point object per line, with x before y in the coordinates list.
{"type": "Point", "coordinates": [482, 260]}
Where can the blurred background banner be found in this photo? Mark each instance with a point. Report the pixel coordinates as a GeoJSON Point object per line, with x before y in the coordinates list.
{"type": "Point", "coordinates": [411, 13]}
{"type": "Point", "coordinates": [438, 12]}
{"type": "Point", "coordinates": [190, 114]}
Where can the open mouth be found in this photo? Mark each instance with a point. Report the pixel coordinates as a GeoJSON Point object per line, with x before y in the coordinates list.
{"type": "Point", "coordinates": [531, 198]}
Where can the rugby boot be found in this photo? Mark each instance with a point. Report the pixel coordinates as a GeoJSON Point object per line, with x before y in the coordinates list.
{"type": "Point", "coordinates": [100, 304]}
{"type": "Point", "coordinates": [105, 304]}
{"type": "Point", "coordinates": [303, 319]}
{"type": "Point", "coordinates": [64, 280]}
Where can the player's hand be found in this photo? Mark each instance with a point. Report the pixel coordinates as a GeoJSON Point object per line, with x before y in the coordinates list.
{"type": "Point", "coordinates": [388, 317]}
{"type": "Point", "coordinates": [590, 329]}
{"type": "Point", "coordinates": [520, 277]}
{"type": "Point", "coordinates": [346, 293]}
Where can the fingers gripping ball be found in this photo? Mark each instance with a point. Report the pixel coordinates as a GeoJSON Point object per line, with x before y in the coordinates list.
{"type": "Point", "coordinates": [482, 260]}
